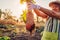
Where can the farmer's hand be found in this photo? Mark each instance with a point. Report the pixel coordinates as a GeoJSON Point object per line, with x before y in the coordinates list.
{"type": "Point", "coordinates": [30, 6]}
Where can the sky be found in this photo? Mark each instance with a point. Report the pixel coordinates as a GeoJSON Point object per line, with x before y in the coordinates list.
{"type": "Point", "coordinates": [16, 8]}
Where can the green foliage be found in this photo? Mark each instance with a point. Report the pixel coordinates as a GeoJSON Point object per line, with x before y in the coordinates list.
{"type": "Point", "coordinates": [50, 36]}
{"type": "Point", "coordinates": [24, 16]}
{"type": "Point", "coordinates": [9, 26]}
{"type": "Point", "coordinates": [5, 38]}
{"type": "Point", "coordinates": [39, 30]}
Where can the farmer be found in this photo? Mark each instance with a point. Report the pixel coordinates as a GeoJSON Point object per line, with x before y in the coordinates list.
{"type": "Point", "coordinates": [52, 16]}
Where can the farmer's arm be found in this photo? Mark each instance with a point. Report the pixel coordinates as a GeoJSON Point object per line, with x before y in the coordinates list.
{"type": "Point", "coordinates": [46, 11]}
{"type": "Point", "coordinates": [40, 13]}
{"type": "Point", "coordinates": [49, 12]}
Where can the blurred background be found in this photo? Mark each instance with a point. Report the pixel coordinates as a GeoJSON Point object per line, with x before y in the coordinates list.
{"type": "Point", "coordinates": [12, 17]}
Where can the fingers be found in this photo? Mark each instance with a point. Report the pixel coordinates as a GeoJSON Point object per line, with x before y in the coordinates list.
{"type": "Point", "coordinates": [29, 6]}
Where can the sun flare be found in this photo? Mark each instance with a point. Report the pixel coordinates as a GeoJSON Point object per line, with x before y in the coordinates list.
{"type": "Point", "coordinates": [20, 11]}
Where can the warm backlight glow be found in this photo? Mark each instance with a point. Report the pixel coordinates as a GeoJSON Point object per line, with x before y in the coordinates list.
{"type": "Point", "coordinates": [22, 7]}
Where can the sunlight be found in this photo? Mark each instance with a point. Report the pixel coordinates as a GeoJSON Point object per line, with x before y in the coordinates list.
{"type": "Point", "coordinates": [23, 6]}
{"type": "Point", "coordinates": [18, 12]}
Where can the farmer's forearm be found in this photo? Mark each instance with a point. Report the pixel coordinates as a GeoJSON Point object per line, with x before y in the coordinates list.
{"type": "Point", "coordinates": [46, 11]}
{"type": "Point", "coordinates": [39, 13]}
{"type": "Point", "coordinates": [50, 13]}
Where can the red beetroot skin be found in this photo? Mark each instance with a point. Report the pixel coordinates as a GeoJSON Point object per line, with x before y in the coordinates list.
{"type": "Point", "coordinates": [28, 27]}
